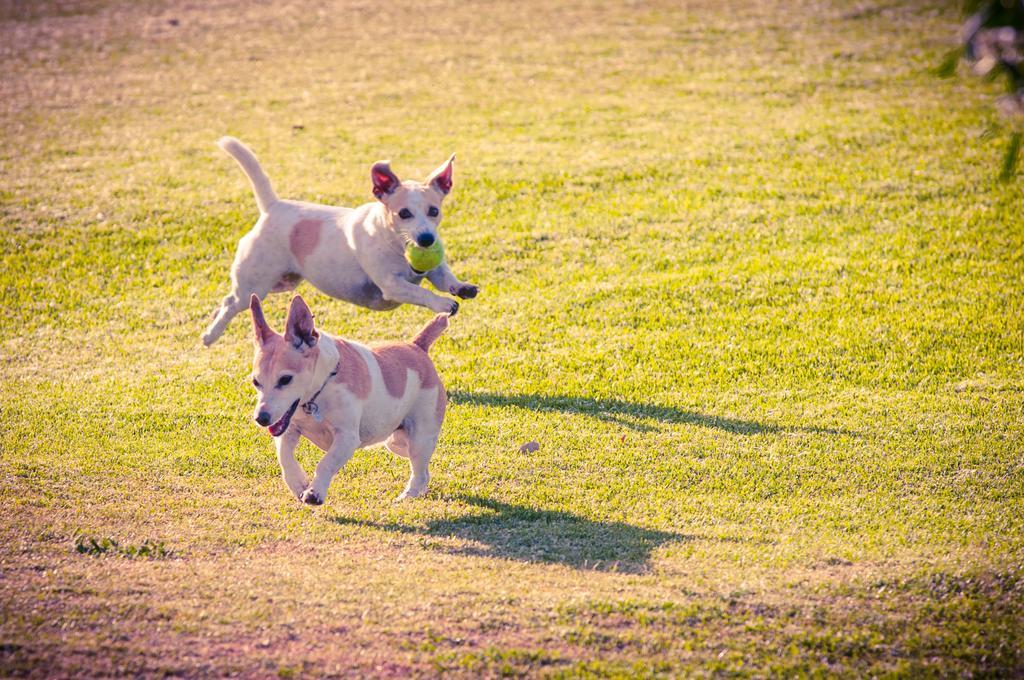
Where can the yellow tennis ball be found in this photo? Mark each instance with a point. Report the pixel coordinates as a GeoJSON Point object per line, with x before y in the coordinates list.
{"type": "Point", "coordinates": [424, 259]}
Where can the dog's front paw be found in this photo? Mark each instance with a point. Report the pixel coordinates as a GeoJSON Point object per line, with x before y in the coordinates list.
{"type": "Point", "coordinates": [466, 291]}
{"type": "Point", "coordinates": [446, 306]}
{"type": "Point", "coordinates": [298, 489]}
{"type": "Point", "coordinates": [311, 497]}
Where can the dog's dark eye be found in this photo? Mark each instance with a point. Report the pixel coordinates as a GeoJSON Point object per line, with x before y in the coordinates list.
{"type": "Point", "coordinates": [284, 380]}
{"type": "Point", "coordinates": [433, 211]}
{"type": "Point", "coordinates": [256, 383]}
{"type": "Point", "coordinates": [405, 213]}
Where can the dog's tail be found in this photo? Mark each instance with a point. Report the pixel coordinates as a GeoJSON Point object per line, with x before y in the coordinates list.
{"type": "Point", "coordinates": [265, 196]}
{"type": "Point", "coordinates": [431, 332]}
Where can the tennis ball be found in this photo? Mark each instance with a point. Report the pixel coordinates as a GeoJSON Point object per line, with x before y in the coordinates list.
{"type": "Point", "coordinates": [424, 259]}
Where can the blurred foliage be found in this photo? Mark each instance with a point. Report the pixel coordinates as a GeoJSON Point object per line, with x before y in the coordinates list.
{"type": "Point", "coordinates": [993, 42]}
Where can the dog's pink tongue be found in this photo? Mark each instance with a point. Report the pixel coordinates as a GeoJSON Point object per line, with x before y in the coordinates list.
{"type": "Point", "coordinates": [280, 426]}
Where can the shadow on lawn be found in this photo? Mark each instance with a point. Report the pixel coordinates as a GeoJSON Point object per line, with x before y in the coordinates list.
{"type": "Point", "coordinates": [526, 534]}
{"type": "Point", "coordinates": [631, 415]}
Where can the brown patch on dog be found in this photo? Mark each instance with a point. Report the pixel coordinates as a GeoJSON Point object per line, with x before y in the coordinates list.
{"type": "Point", "coordinates": [393, 368]}
{"type": "Point", "coordinates": [406, 355]}
{"type": "Point", "coordinates": [275, 353]}
{"type": "Point", "coordinates": [304, 237]}
{"type": "Point", "coordinates": [352, 370]}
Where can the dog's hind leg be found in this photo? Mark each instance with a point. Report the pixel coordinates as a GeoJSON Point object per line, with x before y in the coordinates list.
{"type": "Point", "coordinates": [258, 269]}
{"type": "Point", "coordinates": [222, 316]}
{"type": "Point", "coordinates": [398, 443]}
{"type": "Point", "coordinates": [420, 451]}
{"type": "Point", "coordinates": [255, 271]}
{"type": "Point", "coordinates": [421, 434]}
{"type": "Point", "coordinates": [237, 301]}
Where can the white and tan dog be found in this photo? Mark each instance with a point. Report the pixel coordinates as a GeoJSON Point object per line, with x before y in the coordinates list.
{"type": "Point", "coordinates": [342, 395]}
{"type": "Point", "coordinates": [354, 254]}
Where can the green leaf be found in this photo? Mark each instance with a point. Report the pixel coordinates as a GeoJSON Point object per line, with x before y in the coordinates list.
{"type": "Point", "coordinates": [949, 63]}
{"type": "Point", "coordinates": [1010, 159]}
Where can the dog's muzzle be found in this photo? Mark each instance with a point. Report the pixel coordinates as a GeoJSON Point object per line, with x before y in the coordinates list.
{"type": "Point", "coordinates": [278, 428]}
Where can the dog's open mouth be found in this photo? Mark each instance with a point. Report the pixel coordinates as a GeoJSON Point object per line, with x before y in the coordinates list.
{"type": "Point", "coordinates": [278, 428]}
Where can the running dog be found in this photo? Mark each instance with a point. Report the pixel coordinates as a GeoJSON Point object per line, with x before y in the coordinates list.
{"type": "Point", "coordinates": [354, 254]}
{"type": "Point", "coordinates": [342, 395]}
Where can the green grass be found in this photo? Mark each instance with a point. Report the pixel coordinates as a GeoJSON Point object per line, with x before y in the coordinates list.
{"type": "Point", "coordinates": [748, 277]}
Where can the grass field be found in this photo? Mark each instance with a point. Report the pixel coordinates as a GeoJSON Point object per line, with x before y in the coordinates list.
{"type": "Point", "coordinates": [747, 277]}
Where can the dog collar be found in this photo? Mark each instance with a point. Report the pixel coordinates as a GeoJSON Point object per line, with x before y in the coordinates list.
{"type": "Point", "coordinates": [310, 408]}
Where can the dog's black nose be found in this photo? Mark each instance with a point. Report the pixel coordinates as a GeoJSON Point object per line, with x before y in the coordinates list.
{"type": "Point", "coordinates": [425, 240]}
{"type": "Point", "coordinates": [263, 418]}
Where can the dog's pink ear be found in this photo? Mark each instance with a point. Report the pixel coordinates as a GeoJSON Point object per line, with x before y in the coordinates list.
{"type": "Point", "coordinates": [384, 180]}
{"type": "Point", "coordinates": [441, 179]}
{"type": "Point", "coordinates": [300, 330]}
{"type": "Point", "coordinates": [259, 323]}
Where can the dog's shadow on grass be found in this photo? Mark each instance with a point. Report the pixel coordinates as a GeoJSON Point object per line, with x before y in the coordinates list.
{"type": "Point", "coordinates": [527, 534]}
{"type": "Point", "coordinates": [632, 415]}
